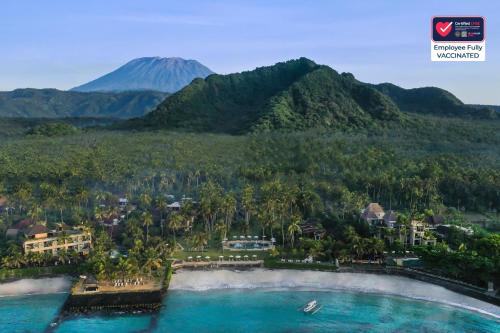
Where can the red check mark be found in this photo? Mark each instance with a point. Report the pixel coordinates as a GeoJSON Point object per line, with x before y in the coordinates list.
{"type": "Point", "coordinates": [443, 28]}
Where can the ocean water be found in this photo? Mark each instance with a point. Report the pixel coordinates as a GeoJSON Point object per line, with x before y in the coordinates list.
{"type": "Point", "coordinates": [263, 301]}
{"type": "Point", "coordinates": [253, 310]}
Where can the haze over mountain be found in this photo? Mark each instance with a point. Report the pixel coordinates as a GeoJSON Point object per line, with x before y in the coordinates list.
{"type": "Point", "coordinates": [149, 73]}
{"type": "Point", "coordinates": [52, 103]}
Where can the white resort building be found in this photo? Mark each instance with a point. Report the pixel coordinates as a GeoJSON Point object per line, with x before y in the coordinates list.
{"type": "Point", "coordinates": [40, 239]}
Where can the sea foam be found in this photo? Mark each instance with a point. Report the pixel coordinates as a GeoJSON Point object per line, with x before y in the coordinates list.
{"type": "Point", "coordinates": [310, 280]}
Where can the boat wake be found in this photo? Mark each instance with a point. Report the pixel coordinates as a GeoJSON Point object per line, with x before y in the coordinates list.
{"type": "Point", "coordinates": [326, 281]}
{"type": "Point", "coordinates": [35, 287]}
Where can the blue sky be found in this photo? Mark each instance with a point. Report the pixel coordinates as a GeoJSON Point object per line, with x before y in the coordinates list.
{"type": "Point", "coordinates": [62, 44]}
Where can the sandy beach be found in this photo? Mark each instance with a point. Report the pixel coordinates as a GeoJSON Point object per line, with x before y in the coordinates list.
{"type": "Point", "coordinates": [309, 280]}
{"type": "Point", "coordinates": [35, 286]}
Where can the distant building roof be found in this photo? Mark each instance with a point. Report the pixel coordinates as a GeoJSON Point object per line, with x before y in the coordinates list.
{"type": "Point", "coordinates": [11, 233]}
{"type": "Point", "coordinates": [90, 280]}
{"type": "Point", "coordinates": [36, 229]}
{"type": "Point", "coordinates": [373, 211]}
{"type": "Point", "coordinates": [390, 216]}
{"type": "Point", "coordinates": [435, 219]}
{"type": "Point", "coordinates": [174, 205]}
{"type": "Point", "coordinates": [23, 224]}
{"type": "Point", "coordinates": [312, 226]}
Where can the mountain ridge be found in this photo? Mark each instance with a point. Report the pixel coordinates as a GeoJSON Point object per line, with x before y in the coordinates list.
{"type": "Point", "coordinates": [53, 103]}
{"type": "Point", "coordinates": [292, 95]}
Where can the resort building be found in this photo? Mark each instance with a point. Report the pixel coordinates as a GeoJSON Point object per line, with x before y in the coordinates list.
{"type": "Point", "coordinates": [373, 214]}
{"type": "Point", "coordinates": [39, 238]}
{"type": "Point", "coordinates": [390, 219]}
{"type": "Point", "coordinates": [123, 202]}
{"type": "Point", "coordinates": [251, 243]}
{"type": "Point", "coordinates": [419, 234]}
{"type": "Point", "coordinates": [313, 228]}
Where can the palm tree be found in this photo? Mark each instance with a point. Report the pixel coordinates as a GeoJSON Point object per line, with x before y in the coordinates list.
{"type": "Point", "coordinates": [147, 221]}
{"type": "Point", "coordinates": [13, 260]}
{"type": "Point", "coordinates": [145, 199]}
{"type": "Point", "coordinates": [294, 228]}
{"type": "Point", "coordinates": [221, 228]}
{"type": "Point", "coordinates": [35, 212]}
{"type": "Point", "coordinates": [175, 223]}
{"type": "Point", "coordinates": [200, 240]}
{"type": "Point", "coordinates": [63, 256]}
{"type": "Point", "coordinates": [161, 205]}
{"type": "Point", "coordinates": [248, 204]}
{"type": "Point", "coordinates": [229, 209]}
{"type": "Point", "coordinates": [152, 261]}
{"type": "Point", "coordinates": [125, 267]}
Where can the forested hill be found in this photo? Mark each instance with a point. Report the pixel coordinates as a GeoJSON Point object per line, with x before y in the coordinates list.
{"type": "Point", "coordinates": [52, 103]}
{"type": "Point", "coordinates": [434, 101]}
{"type": "Point", "coordinates": [295, 95]}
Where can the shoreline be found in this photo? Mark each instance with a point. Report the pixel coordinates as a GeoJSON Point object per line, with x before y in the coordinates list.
{"type": "Point", "coordinates": [280, 279]}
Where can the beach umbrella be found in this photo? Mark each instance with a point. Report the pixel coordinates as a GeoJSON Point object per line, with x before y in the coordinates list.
{"type": "Point", "coordinates": [249, 237]}
{"type": "Point", "coordinates": [245, 256]}
{"type": "Point", "coordinates": [255, 237]}
{"type": "Point", "coordinates": [254, 256]}
{"type": "Point", "coordinates": [207, 257]}
{"type": "Point", "coordinates": [221, 257]}
{"type": "Point", "coordinates": [238, 257]}
{"type": "Point", "coordinates": [231, 257]}
{"type": "Point", "coordinates": [190, 258]}
{"type": "Point", "coordinates": [234, 237]}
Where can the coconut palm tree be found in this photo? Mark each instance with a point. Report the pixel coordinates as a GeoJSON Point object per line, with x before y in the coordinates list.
{"type": "Point", "coordinates": [152, 261]}
{"type": "Point", "coordinates": [200, 240]}
{"type": "Point", "coordinates": [294, 228]}
{"type": "Point", "coordinates": [161, 205]}
{"type": "Point", "coordinates": [145, 199]}
{"type": "Point", "coordinates": [14, 259]}
{"type": "Point", "coordinates": [147, 221]}
{"type": "Point", "coordinates": [175, 223]}
{"type": "Point", "coordinates": [125, 267]}
{"type": "Point", "coordinates": [249, 205]}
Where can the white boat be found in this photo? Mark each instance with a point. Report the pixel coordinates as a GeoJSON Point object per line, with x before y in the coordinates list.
{"type": "Point", "coordinates": [311, 307]}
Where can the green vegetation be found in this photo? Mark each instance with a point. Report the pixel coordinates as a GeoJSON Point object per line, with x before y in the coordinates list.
{"type": "Point", "coordinates": [476, 259]}
{"type": "Point", "coordinates": [38, 272]}
{"type": "Point", "coordinates": [293, 95]}
{"type": "Point", "coordinates": [434, 101]}
{"type": "Point", "coordinates": [53, 129]}
{"type": "Point", "coordinates": [263, 183]}
{"type": "Point", "coordinates": [52, 103]}
{"type": "Point", "coordinates": [341, 144]}
{"type": "Point", "coordinates": [298, 95]}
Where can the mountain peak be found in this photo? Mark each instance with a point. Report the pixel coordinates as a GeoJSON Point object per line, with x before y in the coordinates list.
{"type": "Point", "coordinates": [149, 73]}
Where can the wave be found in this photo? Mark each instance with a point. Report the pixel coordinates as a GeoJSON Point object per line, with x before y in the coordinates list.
{"type": "Point", "coordinates": [327, 281]}
{"type": "Point", "coordinates": [26, 287]}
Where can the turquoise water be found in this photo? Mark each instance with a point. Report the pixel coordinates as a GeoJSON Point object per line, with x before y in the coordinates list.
{"type": "Point", "coordinates": [253, 311]}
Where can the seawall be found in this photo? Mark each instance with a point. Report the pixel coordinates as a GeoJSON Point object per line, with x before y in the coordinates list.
{"type": "Point", "coordinates": [123, 301]}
